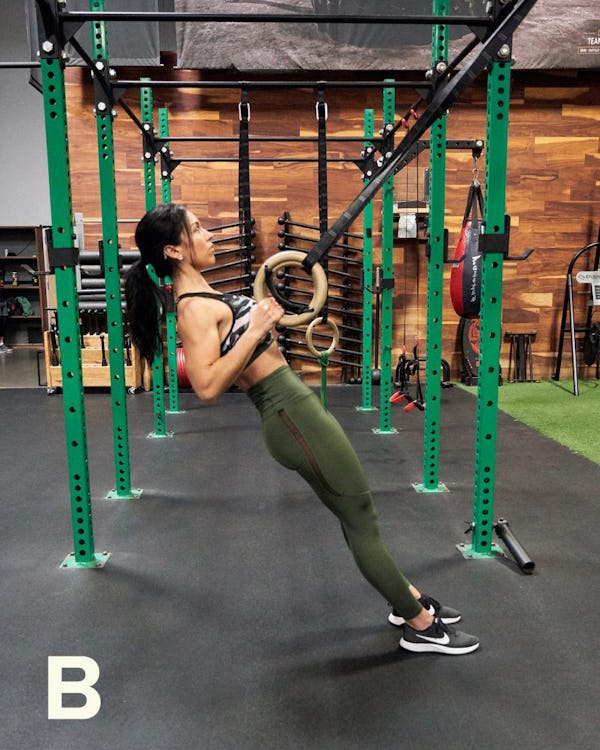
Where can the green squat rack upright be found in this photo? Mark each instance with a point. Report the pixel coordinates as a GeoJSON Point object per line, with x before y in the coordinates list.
{"type": "Point", "coordinates": [494, 248]}
{"type": "Point", "coordinates": [435, 274]}
{"type": "Point", "coordinates": [171, 322]}
{"type": "Point", "coordinates": [158, 371]}
{"type": "Point", "coordinates": [110, 250]}
{"type": "Point", "coordinates": [387, 271]}
{"type": "Point", "coordinates": [149, 146]}
{"type": "Point", "coordinates": [367, 271]}
{"type": "Point", "coordinates": [64, 257]}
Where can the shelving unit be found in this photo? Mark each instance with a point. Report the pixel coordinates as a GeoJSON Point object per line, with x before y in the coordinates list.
{"type": "Point", "coordinates": [21, 263]}
{"type": "Point", "coordinates": [95, 369]}
{"type": "Point", "coordinates": [93, 328]}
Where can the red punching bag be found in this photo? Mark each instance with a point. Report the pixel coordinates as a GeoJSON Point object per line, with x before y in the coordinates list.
{"type": "Point", "coordinates": [465, 276]}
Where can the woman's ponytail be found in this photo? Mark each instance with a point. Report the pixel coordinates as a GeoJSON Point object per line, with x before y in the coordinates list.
{"type": "Point", "coordinates": [144, 309]}
{"type": "Point", "coordinates": [161, 226]}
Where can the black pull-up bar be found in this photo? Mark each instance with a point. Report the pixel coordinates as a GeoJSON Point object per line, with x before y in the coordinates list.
{"type": "Point", "coordinates": [411, 20]}
{"type": "Point", "coordinates": [266, 84]}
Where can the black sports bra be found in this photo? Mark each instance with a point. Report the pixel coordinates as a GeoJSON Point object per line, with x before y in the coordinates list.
{"type": "Point", "coordinates": [241, 307]}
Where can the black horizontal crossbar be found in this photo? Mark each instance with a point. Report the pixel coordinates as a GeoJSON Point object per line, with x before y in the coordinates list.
{"type": "Point", "coordinates": [82, 16]}
{"type": "Point", "coordinates": [31, 64]}
{"type": "Point", "coordinates": [134, 84]}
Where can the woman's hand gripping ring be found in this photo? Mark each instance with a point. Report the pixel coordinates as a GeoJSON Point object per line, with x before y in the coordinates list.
{"type": "Point", "coordinates": [292, 258]}
{"type": "Point", "coordinates": [309, 337]}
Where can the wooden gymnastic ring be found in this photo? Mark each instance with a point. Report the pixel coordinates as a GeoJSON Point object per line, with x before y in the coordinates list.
{"type": "Point", "coordinates": [319, 278]}
{"type": "Point", "coordinates": [309, 334]}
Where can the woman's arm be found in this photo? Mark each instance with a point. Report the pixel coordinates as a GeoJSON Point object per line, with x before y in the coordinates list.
{"type": "Point", "coordinates": [209, 373]}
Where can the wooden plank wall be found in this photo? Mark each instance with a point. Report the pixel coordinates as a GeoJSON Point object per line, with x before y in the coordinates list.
{"type": "Point", "coordinates": [553, 184]}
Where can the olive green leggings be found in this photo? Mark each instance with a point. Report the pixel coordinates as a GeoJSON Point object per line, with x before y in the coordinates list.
{"type": "Point", "coordinates": [301, 435]}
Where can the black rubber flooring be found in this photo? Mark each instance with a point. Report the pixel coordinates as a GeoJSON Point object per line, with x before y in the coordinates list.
{"type": "Point", "coordinates": [230, 615]}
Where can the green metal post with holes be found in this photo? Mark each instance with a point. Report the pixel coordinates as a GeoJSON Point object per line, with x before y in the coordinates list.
{"type": "Point", "coordinates": [110, 251]}
{"type": "Point", "coordinates": [171, 321]}
{"type": "Point", "coordinates": [149, 163]}
{"type": "Point", "coordinates": [367, 316]}
{"type": "Point", "coordinates": [387, 277]}
{"type": "Point", "coordinates": [498, 99]}
{"type": "Point", "coordinates": [158, 382]}
{"type": "Point", "coordinates": [63, 259]}
{"type": "Point", "coordinates": [163, 132]}
{"type": "Point", "coordinates": [158, 373]}
{"type": "Point", "coordinates": [435, 275]}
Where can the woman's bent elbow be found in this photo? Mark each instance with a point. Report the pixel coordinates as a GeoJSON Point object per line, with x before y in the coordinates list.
{"type": "Point", "coordinates": [208, 394]}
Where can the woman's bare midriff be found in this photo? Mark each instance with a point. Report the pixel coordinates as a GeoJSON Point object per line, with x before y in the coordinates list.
{"type": "Point", "coordinates": [269, 361]}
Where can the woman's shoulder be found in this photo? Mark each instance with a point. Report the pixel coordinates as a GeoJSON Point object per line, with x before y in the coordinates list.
{"type": "Point", "coordinates": [200, 308]}
{"type": "Point", "coordinates": [198, 295]}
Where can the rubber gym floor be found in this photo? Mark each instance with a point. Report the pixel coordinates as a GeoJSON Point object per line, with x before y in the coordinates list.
{"type": "Point", "coordinates": [230, 615]}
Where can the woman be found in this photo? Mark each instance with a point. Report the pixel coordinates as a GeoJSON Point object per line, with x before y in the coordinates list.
{"type": "Point", "coordinates": [228, 340]}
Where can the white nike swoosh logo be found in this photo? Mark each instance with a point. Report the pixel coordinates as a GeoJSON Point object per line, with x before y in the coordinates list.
{"type": "Point", "coordinates": [443, 641]}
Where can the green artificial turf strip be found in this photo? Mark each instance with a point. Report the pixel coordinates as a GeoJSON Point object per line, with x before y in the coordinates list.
{"type": "Point", "coordinates": [551, 408]}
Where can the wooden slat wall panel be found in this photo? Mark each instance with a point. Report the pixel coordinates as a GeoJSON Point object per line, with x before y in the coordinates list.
{"type": "Point", "coordinates": [553, 182]}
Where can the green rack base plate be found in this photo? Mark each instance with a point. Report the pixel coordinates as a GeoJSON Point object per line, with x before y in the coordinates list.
{"type": "Point", "coordinates": [467, 551]}
{"type": "Point", "coordinates": [156, 435]}
{"type": "Point", "coordinates": [441, 487]}
{"type": "Point", "coordinates": [131, 495]}
{"type": "Point", "coordinates": [99, 561]}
